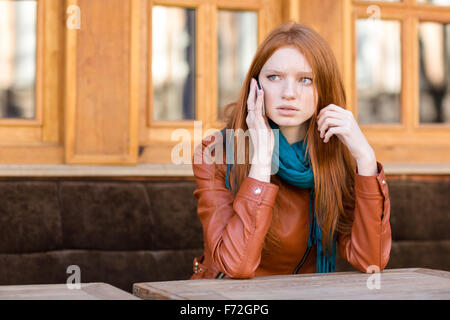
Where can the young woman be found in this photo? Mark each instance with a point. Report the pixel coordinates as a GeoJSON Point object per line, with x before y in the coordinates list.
{"type": "Point", "coordinates": [328, 192]}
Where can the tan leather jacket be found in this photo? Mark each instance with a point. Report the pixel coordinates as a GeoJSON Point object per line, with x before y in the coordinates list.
{"type": "Point", "coordinates": [234, 227]}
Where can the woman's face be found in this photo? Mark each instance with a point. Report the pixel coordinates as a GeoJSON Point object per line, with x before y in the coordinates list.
{"type": "Point", "coordinates": [286, 79]}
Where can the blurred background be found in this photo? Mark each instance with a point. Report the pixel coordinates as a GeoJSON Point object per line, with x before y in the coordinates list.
{"type": "Point", "coordinates": [91, 92]}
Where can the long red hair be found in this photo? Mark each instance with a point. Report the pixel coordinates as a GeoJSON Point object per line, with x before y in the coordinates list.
{"type": "Point", "coordinates": [332, 164]}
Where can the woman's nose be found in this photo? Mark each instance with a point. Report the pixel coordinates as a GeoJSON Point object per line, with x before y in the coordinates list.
{"type": "Point", "coordinates": [289, 90]}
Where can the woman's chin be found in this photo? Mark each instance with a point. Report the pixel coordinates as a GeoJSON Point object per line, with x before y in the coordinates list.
{"type": "Point", "coordinates": [286, 121]}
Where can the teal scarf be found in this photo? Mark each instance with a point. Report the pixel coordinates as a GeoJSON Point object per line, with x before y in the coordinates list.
{"type": "Point", "coordinates": [294, 169]}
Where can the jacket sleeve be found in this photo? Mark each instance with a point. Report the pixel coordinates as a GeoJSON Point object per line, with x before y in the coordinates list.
{"type": "Point", "coordinates": [369, 244]}
{"type": "Point", "coordinates": [234, 227]}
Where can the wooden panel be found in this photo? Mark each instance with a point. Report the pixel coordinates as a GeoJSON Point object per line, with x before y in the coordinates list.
{"type": "Point", "coordinates": [327, 18]}
{"type": "Point", "coordinates": [333, 21]}
{"type": "Point", "coordinates": [15, 135]}
{"type": "Point", "coordinates": [428, 153]}
{"type": "Point", "coordinates": [133, 173]}
{"type": "Point", "coordinates": [395, 284]}
{"type": "Point", "coordinates": [291, 10]}
{"type": "Point", "coordinates": [103, 83]}
{"type": "Point", "coordinates": [158, 154]}
{"type": "Point", "coordinates": [52, 69]}
{"type": "Point", "coordinates": [32, 154]}
{"type": "Point", "coordinates": [406, 8]}
{"type": "Point", "coordinates": [144, 67]}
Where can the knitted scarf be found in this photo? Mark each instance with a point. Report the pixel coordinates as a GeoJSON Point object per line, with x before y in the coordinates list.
{"type": "Point", "coordinates": [294, 169]}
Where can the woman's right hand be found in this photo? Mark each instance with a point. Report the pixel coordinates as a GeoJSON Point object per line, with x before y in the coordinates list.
{"type": "Point", "coordinates": [261, 135]}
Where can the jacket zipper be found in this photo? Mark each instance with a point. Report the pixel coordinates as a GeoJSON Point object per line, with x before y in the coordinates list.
{"type": "Point", "coordinates": [302, 261]}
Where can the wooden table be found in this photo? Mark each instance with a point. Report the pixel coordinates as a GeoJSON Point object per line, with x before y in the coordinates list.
{"type": "Point", "coordinates": [415, 283]}
{"type": "Point", "coordinates": [88, 291]}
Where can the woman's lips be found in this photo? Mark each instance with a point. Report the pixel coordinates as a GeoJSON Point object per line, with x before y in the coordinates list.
{"type": "Point", "coordinates": [287, 110]}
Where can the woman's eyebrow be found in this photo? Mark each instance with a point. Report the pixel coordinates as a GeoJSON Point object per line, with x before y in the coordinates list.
{"type": "Point", "coordinates": [281, 72]}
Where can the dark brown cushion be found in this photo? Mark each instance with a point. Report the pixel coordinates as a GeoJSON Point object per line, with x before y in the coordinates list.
{"type": "Point", "coordinates": [118, 268]}
{"type": "Point", "coordinates": [420, 254]}
{"type": "Point", "coordinates": [105, 215]}
{"type": "Point", "coordinates": [411, 254]}
{"type": "Point", "coordinates": [174, 212]}
{"type": "Point", "coordinates": [420, 210]}
{"type": "Point", "coordinates": [29, 217]}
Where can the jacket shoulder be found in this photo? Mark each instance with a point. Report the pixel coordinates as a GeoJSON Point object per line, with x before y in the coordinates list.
{"type": "Point", "coordinates": [210, 155]}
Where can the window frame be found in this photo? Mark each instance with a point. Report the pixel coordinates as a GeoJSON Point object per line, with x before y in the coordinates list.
{"type": "Point", "coordinates": [39, 140]}
{"type": "Point", "coordinates": [408, 141]}
{"type": "Point", "coordinates": [155, 136]}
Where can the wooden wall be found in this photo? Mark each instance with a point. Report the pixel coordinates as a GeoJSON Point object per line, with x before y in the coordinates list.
{"type": "Point", "coordinates": [94, 83]}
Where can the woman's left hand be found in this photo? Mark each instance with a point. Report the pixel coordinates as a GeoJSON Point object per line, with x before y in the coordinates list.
{"type": "Point", "coordinates": [334, 120]}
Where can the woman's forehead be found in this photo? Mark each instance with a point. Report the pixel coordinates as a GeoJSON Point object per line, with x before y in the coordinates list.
{"type": "Point", "coordinates": [287, 60]}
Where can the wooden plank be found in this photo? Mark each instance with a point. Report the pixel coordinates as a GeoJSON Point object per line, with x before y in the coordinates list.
{"type": "Point", "coordinates": [410, 80]}
{"type": "Point", "coordinates": [51, 70]}
{"type": "Point", "coordinates": [101, 79]}
{"type": "Point", "coordinates": [71, 88]}
{"type": "Point", "coordinates": [88, 291]}
{"type": "Point", "coordinates": [103, 84]}
{"type": "Point", "coordinates": [393, 171]}
{"type": "Point", "coordinates": [321, 16]}
{"type": "Point", "coordinates": [412, 283]}
{"type": "Point", "coordinates": [437, 273]}
{"type": "Point", "coordinates": [420, 154]}
{"type": "Point", "coordinates": [32, 154]}
{"type": "Point", "coordinates": [292, 12]}
{"type": "Point", "coordinates": [146, 170]}
{"type": "Point", "coordinates": [19, 135]}
{"type": "Point", "coordinates": [40, 60]}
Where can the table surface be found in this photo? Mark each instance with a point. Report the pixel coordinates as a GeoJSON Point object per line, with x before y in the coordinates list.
{"type": "Point", "coordinates": [87, 291]}
{"type": "Point", "coordinates": [411, 283]}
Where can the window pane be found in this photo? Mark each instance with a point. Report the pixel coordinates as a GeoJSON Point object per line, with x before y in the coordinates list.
{"type": "Point", "coordinates": [378, 71]}
{"type": "Point", "coordinates": [434, 77]}
{"type": "Point", "coordinates": [237, 33]}
{"type": "Point", "coordinates": [436, 2]}
{"type": "Point", "coordinates": [173, 63]}
{"type": "Point", "coordinates": [17, 59]}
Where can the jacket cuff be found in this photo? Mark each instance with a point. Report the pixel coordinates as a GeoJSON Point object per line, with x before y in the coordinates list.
{"type": "Point", "coordinates": [259, 191]}
{"type": "Point", "coordinates": [375, 185]}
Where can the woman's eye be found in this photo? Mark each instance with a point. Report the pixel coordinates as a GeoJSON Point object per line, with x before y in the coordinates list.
{"type": "Point", "coordinates": [306, 80]}
{"type": "Point", "coordinates": [270, 77]}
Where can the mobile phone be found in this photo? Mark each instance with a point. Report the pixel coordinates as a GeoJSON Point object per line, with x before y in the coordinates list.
{"type": "Point", "coordinates": [263, 106]}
